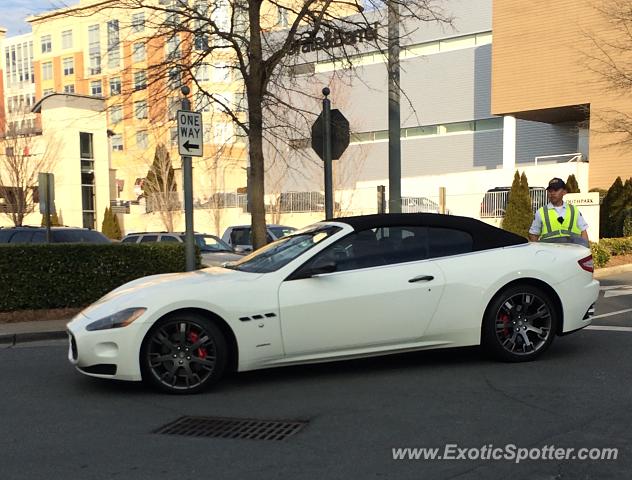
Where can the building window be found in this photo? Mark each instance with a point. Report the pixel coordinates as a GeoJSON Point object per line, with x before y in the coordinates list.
{"type": "Point", "coordinates": [172, 47]}
{"type": "Point", "coordinates": [282, 17]}
{"type": "Point", "coordinates": [96, 89]}
{"type": "Point", "coordinates": [221, 73]}
{"type": "Point", "coordinates": [115, 86]}
{"type": "Point", "coordinates": [202, 102]}
{"type": "Point", "coordinates": [47, 91]}
{"type": "Point", "coordinates": [173, 79]}
{"type": "Point", "coordinates": [173, 106]}
{"type": "Point", "coordinates": [47, 44]}
{"type": "Point", "coordinates": [138, 52]}
{"type": "Point", "coordinates": [138, 22]}
{"type": "Point", "coordinates": [114, 56]}
{"type": "Point", "coordinates": [66, 39]}
{"type": "Point", "coordinates": [69, 88]}
{"type": "Point", "coordinates": [116, 114]}
{"type": "Point", "coordinates": [173, 134]}
{"type": "Point", "coordinates": [140, 80]}
{"type": "Point", "coordinates": [85, 145]}
{"type": "Point", "coordinates": [94, 49]}
{"type": "Point", "coordinates": [140, 109]}
{"type": "Point", "coordinates": [69, 66]}
{"type": "Point", "coordinates": [117, 143]}
{"type": "Point", "coordinates": [223, 133]}
{"type": "Point", "coordinates": [142, 140]}
{"type": "Point", "coordinates": [202, 73]}
{"type": "Point", "coordinates": [47, 70]}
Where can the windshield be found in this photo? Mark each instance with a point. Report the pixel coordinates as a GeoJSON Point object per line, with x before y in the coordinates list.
{"type": "Point", "coordinates": [210, 243]}
{"type": "Point", "coordinates": [281, 252]}
{"type": "Point", "coordinates": [280, 232]}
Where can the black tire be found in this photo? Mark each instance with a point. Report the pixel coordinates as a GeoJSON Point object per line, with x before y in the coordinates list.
{"type": "Point", "coordinates": [183, 353]}
{"type": "Point", "coordinates": [520, 324]}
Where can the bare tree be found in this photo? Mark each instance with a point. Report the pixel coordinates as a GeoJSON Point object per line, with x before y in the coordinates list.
{"type": "Point", "coordinates": [258, 44]}
{"type": "Point", "coordinates": [159, 187]}
{"type": "Point", "coordinates": [609, 57]}
{"type": "Point", "coordinates": [24, 153]}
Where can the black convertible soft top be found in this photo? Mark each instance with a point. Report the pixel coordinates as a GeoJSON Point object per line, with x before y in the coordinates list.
{"type": "Point", "coordinates": [485, 236]}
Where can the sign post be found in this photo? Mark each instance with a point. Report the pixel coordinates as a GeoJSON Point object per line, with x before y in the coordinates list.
{"type": "Point", "coordinates": [46, 188]}
{"type": "Point", "coordinates": [190, 143]}
{"type": "Point", "coordinates": [330, 138]}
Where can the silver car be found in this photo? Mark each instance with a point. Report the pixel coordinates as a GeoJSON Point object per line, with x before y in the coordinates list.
{"type": "Point", "coordinates": [213, 250]}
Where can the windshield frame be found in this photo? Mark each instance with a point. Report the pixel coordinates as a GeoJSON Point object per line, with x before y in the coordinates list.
{"type": "Point", "coordinates": [253, 262]}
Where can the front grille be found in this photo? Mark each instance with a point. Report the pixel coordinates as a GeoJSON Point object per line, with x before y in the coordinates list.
{"type": "Point", "coordinates": [236, 428]}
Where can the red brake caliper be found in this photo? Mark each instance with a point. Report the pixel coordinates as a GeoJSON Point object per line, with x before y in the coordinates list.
{"type": "Point", "coordinates": [194, 337]}
{"type": "Point", "coordinates": [505, 319]}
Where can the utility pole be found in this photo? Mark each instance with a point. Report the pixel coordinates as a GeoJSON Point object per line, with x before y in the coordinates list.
{"type": "Point", "coordinates": [394, 123]}
{"type": "Point", "coordinates": [187, 177]}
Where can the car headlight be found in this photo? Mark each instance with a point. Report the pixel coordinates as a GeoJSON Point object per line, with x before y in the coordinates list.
{"type": "Point", "coordinates": [116, 320]}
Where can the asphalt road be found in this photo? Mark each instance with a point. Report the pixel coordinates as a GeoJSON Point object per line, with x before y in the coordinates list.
{"type": "Point", "coordinates": [58, 424]}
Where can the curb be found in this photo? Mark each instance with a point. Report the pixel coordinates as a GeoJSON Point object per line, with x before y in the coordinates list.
{"type": "Point", "coordinates": [15, 338]}
{"type": "Point", "coordinates": [604, 272]}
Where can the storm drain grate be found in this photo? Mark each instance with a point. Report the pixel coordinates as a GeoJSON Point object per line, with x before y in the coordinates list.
{"type": "Point", "coordinates": [222, 427]}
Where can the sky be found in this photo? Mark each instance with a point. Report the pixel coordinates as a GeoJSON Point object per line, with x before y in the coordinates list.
{"type": "Point", "coordinates": [13, 13]}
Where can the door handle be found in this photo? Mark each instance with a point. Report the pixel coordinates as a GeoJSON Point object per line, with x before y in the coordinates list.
{"type": "Point", "coordinates": [421, 278]}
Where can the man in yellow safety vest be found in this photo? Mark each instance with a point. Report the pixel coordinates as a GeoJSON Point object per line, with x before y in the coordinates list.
{"type": "Point", "coordinates": [558, 221]}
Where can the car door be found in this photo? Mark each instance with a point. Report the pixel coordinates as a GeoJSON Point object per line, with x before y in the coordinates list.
{"type": "Point", "coordinates": [384, 292]}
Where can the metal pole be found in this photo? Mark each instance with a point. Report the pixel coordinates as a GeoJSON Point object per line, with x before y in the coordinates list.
{"type": "Point", "coordinates": [394, 124]}
{"type": "Point", "coordinates": [48, 234]}
{"type": "Point", "coordinates": [329, 194]}
{"type": "Point", "coordinates": [187, 174]}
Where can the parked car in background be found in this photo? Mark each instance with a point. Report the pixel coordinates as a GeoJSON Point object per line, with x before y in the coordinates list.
{"type": "Point", "coordinates": [28, 234]}
{"type": "Point", "coordinates": [213, 250]}
{"type": "Point", "coordinates": [239, 237]}
{"type": "Point", "coordinates": [494, 202]}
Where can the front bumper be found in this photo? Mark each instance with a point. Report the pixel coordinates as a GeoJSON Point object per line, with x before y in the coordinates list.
{"type": "Point", "coordinates": [112, 353]}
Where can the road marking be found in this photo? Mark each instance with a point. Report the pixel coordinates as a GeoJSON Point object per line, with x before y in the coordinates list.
{"type": "Point", "coordinates": [616, 290]}
{"type": "Point", "coordinates": [609, 328]}
{"type": "Point", "coordinates": [610, 314]}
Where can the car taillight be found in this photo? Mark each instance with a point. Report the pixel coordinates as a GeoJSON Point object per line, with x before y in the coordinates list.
{"type": "Point", "coordinates": [587, 264]}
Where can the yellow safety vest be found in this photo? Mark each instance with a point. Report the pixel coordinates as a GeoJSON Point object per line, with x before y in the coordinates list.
{"type": "Point", "coordinates": [568, 228]}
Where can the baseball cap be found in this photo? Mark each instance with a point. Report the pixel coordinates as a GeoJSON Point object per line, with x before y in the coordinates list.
{"type": "Point", "coordinates": [556, 184]}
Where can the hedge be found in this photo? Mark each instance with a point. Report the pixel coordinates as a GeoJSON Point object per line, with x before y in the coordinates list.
{"type": "Point", "coordinates": [617, 246]}
{"type": "Point", "coordinates": [600, 254]}
{"type": "Point", "coordinates": [46, 276]}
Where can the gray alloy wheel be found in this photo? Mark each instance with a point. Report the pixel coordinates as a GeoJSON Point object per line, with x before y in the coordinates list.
{"type": "Point", "coordinates": [520, 324]}
{"type": "Point", "coordinates": [183, 353]}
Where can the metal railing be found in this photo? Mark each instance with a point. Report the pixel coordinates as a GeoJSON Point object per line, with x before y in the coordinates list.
{"type": "Point", "coordinates": [419, 205]}
{"type": "Point", "coordinates": [571, 157]}
{"type": "Point", "coordinates": [494, 204]}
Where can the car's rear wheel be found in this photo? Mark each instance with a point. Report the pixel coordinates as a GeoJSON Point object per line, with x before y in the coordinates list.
{"type": "Point", "coordinates": [183, 353]}
{"type": "Point", "coordinates": [520, 324]}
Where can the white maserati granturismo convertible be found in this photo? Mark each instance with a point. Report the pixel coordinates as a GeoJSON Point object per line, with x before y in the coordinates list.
{"type": "Point", "coordinates": [347, 288]}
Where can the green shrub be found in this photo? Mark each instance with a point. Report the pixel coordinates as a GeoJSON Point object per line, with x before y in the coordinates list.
{"type": "Point", "coordinates": [110, 226]}
{"type": "Point", "coordinates": [571, 184]}
{"type": "Point", "coordinates": [617, 246]}
{"type": "Point", "coordinates": [600, 254]}
{"type": "Point", "coordinates": [519, 215]}
{"type": "Point", "coordinates": [44, 276]}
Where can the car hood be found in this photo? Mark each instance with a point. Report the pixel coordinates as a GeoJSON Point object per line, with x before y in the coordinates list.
{"type": "Point", "coordinates": [155, 290]}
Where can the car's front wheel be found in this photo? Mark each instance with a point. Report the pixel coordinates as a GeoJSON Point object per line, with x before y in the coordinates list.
{"type": "Point", "coordinates": [183, 353]}
{"type": "Point", "coordinates": [520, 324]}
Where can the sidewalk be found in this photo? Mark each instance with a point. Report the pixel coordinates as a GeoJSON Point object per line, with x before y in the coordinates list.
{"type": "Point", "coordinates": [13, 333]}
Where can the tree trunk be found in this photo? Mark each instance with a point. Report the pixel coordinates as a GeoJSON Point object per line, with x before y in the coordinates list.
{"type": "Point", "coordinates": [255, 82]}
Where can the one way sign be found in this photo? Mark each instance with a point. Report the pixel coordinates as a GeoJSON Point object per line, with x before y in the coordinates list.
{"type": "Point", "coordinates": [190, 133]}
